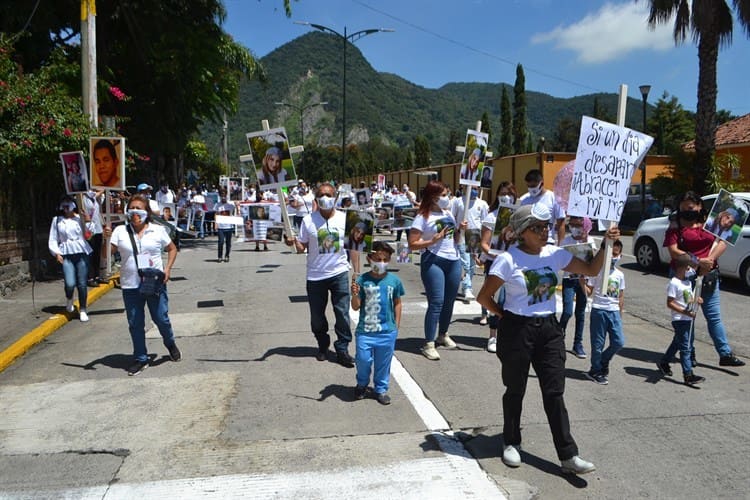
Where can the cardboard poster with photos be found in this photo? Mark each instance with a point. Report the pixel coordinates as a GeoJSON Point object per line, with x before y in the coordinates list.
{"type": "Point", "coordinates": [274, 167]}
{"type": "Point", "coordinates": [403, 253]}
{"type": "Point", "coordinates": [362, 198]}
{"type": "Point", "coordinates": [473, 240]}
{"type": "Point", "coordinates": [403, 217]}
{"type": "Point", "coordinates": [504, 211]}
{"type": "Point", "coordinates": [486, 179]}
{"type": "Point", "coordinates": [472, 164]}
{"type": "Point", "coordinates": [235, 188]}
{"type": "Point", "coordinates": [168, 212]}
{"type": "Point", "coordinates": [75, 172]}
{"type": "Point", "coordinates": [727, 216]}
{"type": "Point", "coordinates": [358, 231]}
{"type": "Point", "coordinates": [107, 162]}
{"type": "Point", "coordinates": [384, 214]}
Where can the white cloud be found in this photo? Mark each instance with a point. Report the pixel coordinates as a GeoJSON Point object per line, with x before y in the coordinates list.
{"type": "Point", "coordinates": [610, 33]}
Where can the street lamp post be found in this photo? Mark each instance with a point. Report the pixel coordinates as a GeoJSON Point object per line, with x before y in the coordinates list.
{"type": "Point", "coordinates": [645, 89]}
{"type": "Point", "coordinates": [301, 110]}
{"type": "Point", "coordinates": [344, 38]}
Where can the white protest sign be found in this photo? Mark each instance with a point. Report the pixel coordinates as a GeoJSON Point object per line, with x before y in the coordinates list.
{"type": "Point", "coordinates": [605, 162]}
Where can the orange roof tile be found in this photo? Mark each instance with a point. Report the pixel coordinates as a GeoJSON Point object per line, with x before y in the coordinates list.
{"type": "Point", "coordinates": [736, 131]}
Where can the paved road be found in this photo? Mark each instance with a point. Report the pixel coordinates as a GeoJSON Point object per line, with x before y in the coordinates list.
{"type": "Point", "coordinates": [250, 413]}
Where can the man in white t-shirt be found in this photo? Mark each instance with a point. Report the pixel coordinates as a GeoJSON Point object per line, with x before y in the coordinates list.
{"type": "Point", "coordinates": [165, 195]}
{"type": "Point", "coordinates": [322, 234]}
{"type": "Point", "coordinates": [538, 194]}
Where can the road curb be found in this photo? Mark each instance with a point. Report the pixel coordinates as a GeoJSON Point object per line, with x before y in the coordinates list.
{"type": "Point", "coordinates": [47, 328]}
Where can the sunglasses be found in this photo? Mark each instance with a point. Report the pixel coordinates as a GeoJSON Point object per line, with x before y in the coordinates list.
{"type": "Point", "coordinates": [539, 228]}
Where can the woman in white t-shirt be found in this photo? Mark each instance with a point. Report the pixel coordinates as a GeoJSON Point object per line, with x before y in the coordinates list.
{"type": "Point", "coordinates": [529, 331]}
{"type": "Point", "coordinates": [434, 230]}
{"type": "Point", "coordinates": [150, 240]}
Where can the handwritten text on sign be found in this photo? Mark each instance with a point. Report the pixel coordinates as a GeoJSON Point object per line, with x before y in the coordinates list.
{"type": "Point", "coordinates": [606, 160]}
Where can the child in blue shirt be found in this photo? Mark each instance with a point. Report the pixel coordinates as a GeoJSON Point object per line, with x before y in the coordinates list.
{"type": "Point", "coordinates": [380, 295]}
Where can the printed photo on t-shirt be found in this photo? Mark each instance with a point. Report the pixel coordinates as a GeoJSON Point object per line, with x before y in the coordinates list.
{"type": "Point", "coordinates": [328, 241]}
{"type": "Point", "coordinates": [443, 223]}
{"type": "Point", "coordinates": [540, 284]}
{"type": "Point", "coordinates": [613, 288]}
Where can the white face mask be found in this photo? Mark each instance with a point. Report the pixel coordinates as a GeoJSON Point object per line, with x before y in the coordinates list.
{"type": "Point", "coordinates": [140, 213]}
{"type": "Point", "coordinates": [534, 191]}
{"type": "Point", "coordinates": [444, 202]}
{"type": "Point", "coordinates": [67, 207]}
{"type": "Point", "coordinates": [326, 202]}
{"type": "Point", "coordinates": [379, 267]}
{"type": "Point", "coordinates": [506, 198]}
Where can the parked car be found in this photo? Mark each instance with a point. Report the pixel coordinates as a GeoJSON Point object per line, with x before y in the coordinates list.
{"type": "Point", "coordinates": [650, 254]}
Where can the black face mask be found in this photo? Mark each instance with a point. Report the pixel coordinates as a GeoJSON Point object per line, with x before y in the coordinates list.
{"type": "Point", "coordinates": [690, 215]}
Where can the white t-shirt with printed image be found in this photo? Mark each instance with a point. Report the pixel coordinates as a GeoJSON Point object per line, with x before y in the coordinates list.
{"type": "Point", "coordinates": [150, 246]}
{"type": "Point", "coordinates": [435, 222]}
{"type": "Point", "coordinates": [326, 256]}
{"type": "Point", "coordinates": [609, 301]}
{"type": "Point", "coordinates": [530, 280]}
{"type": "Point", "coordinates": [682, 293]}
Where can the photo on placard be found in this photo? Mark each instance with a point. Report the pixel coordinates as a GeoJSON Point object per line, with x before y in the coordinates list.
{"type": "Point", "coordinates": [275, 233]}
{"type": "Point", "coordinates": [168, 212]}
{"type": "Point", "coordinates": [212, 199]}
{"type": "Point", "coordinates": [474, 156]}
{"type": "Point", "coordinates": [74, 172]}
{"type": "Point", "coordinates": [403, 254]}
{"type": "Point", "coordinates": [403, 217]}
{"type": "Point", "coordinates": [259, 211]}
{"type": "Point", "coordinates": [358, 231]}
{"type": "Point", "coordinates": [362, 197]}
{"type": "Point", "coordinates": [504, 211]}
{"type": "Point", "coordinates": [728, 215]}
{"type": "Point", "coordinates": [487, 173]}
{"type": "Point", "coordinates": [235, 187]}
{"type": "Point", "coordinates": [273, 161]}
{"type": "Point", "coordinates": [473, 239]}
{"type": "Point", "coordinates": [584, 251]}
{"type": "Point", "coordinates": [107, 162]}
{"type": "Point", "coordinates": [384, 215]}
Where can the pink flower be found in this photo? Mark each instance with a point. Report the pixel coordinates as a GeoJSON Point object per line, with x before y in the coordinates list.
{"type": "Point", "coordinates": [67, 132]}
{"type": "Point", "coordinates": [117, 93]}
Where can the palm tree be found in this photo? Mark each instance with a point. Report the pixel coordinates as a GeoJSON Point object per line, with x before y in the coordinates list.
{"type": "Point", "coordinates": [710, 23]}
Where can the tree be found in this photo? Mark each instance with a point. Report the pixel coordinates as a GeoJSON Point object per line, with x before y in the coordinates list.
{"type": "Point", "coordinates": [506, 130]}
{"type": "Point", "coordinates": [451, 155]}
{"type": "Point", "coordinates": [711, 24]}
{"type": "Point", "coordinates": [486, 124]}
{"type": "Point", "coordinates": [422, 154]}
{"type": "Point", "coordinates": [520, 131]}
{"type": "Point", "coordinates": [674, 125]}
{"type": "Point", "coordinates": [566, 135]}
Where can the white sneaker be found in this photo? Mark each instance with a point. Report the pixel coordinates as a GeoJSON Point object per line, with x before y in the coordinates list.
{"type": "Point", "coordinates": [83, 316]}
{"type": "Point", "coordinates": [429, 351]}
{"type": "Point", "coordinates": [69, 306]}
{"type": "Point", "coordinates": [511, 457]}
{"type": "Point", "coordinates": [468, 296]}
{"type": "Point", "coordinates": [577, 465]}
{"type": "Point", "coordinates": [445, 340]}
{"type": "Point", "coordinates": [492, 344]}
{"type": "Point", "coordinates": [483, 321]}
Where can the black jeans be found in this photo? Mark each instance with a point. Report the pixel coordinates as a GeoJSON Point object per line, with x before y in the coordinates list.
{"type": "Point", "coordinates": [524, 341]}
{"type": "Point", "coordinates": [225, 236]}
{"type": "Point", "coordinates": [95, 257]}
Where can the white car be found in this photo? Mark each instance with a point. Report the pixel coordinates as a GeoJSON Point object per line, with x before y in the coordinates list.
{"type": "Point", "coordinates": [650, 254]}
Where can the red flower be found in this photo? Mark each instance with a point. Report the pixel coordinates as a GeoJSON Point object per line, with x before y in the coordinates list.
{"type": "Point", "coordinates": [117, 93]}
{"type": "Point", "coordinates": [67, 132]}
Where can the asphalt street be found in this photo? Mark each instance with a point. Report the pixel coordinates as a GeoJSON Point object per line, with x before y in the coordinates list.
{"type": "Point", "coordinates": [250, 413]}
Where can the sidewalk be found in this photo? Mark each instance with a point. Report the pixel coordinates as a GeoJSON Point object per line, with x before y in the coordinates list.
{"type": "Point", "coordinates": [250, 413]}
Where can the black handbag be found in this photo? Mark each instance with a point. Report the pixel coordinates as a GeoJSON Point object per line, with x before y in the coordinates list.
{"type": "Point", "coordinates": [152, 280]}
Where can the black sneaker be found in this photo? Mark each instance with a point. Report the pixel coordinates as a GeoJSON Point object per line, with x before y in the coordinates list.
{"type": "Point", "coordinates": [665, 369]}
{"type": "Point", "coordinates": [730, 360]}
{"type": "Point", "coordinates": [360, 392]}
{"type": "Point", "coordinates": [343, 358]}
{"type": "Point", "coordinates": [693, 361]}
{"type": "Point", "coordinates": [605, 370]}
{"type": "Point", "coordinates": [174, 353]}
{"type": "Point", "coordinates": [692, 379]}
{"type": "Point", "coordinates": [137, 368]}
{"type": "Point", "coordinates": [383, 398]}
{"type": "Point", "coordinates": [598, 377]}
{"type": "Point", "coordinates": [321, 355]}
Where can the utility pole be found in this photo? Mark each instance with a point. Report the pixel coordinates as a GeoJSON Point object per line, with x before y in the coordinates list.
{"type": "Point", "coordinates": [88, 61]}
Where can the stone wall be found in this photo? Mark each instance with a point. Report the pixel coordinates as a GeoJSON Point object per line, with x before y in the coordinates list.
{"type": "Point", "coordinates": [15, 253]}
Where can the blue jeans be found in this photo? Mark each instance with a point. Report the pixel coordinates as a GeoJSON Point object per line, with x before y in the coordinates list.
{"type": "Point", "coordinates": [572, 289]}
{"type": "Point", "coordinates": [440, 278]}
{"type": "Point", "coordinates": [493, 320]}
{"type": "Point", "coordinates": [603, 322]}
{"type": "Point", "coordinates": [712, 312]}
{"type": "Point", "coordinates": [469, 265]}
{"type": "Point", "coordinates": [377, 350]}
{"type": "Point", "coordinates": [225, 235]}
{"type": "Point", "coordinates": [317, 298]}
{"type": "Point", "coordinates": [158, 307]}
{"type": "Point", "coordinates": [75, 274]}
{"type": "Point", "coordinates": [682, 342]}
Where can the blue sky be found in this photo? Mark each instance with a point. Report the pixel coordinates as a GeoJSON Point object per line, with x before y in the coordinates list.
{"type": "Point", "coordinates": [567, 48]}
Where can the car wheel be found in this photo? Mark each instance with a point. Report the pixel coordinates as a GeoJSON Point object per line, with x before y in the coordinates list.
{"type": "Point", "coordinates": [646, 254]}
{"type": "Point", "coordinates": [745, 273]}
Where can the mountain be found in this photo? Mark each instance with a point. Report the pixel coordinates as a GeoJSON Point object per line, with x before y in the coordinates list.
{"type": "Point", "coordinates": [381, 106]}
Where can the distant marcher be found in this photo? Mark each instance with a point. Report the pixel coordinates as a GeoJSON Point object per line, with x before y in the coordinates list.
{"type": "Point", "coordinates": [225, 231]}
{"type": "Point", "coordinates": [150, 241]}
{"type": "Point", "coordinates": [70, 248]}
{"type": "Point", "coordinates": [92, 209]}
{"type": "Point", "coordinates": [380, 293]}
{"type": "Point", "coordinates": [537, 193]}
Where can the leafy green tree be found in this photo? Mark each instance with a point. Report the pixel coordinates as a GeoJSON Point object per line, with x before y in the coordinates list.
{"type": "Point", "coordinates": [710, 24]}
{"type": "Point", "coordinates": [506, 127]}
{"type": "Point", "coordinates": [422, 154]}
{"type": "Point", "coordinates": [520, 130]}
{"type": "Point", "coordinates": [723, 116]}
{"type": "Point", "coordinates": [486, 124]}
{"type": "Point", "coordinates": [451, 155]}
{"type": "Point", "coordinates": [566, 135]}
{"type": "Point", "coordinates": [408, 159]}
{"type": "Point", "coordinates": [674, 125]}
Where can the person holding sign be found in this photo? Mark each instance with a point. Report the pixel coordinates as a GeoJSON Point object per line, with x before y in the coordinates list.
{"type": "Point", "coordinates": [434, 230]}
{"type": "Point", "coordinates": [530, 333]}
{"type": "Point", "coordinates": [322, 235]}
{"type": "Point", "coordinates": [688, 242]}
{"type": "Point", "coordinates": [226, 231]}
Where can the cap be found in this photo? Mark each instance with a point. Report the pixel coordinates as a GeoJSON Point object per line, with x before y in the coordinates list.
{"type": "Point", "coordinates": [526, 215]}
{"type": "Point", "coordinates": [143, 187]}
